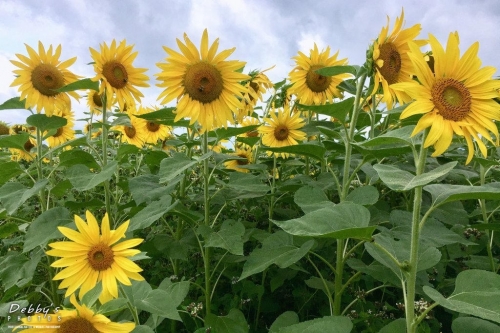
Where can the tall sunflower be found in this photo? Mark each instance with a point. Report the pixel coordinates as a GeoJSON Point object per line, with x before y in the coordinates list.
{"type": "Point", "coordinates": [282, 129]}
{"type": "Point", "coordinates": [40, 74]}
{"type": "Point", "coordinates": [311, 87]}
{"type": "Point", "coordinates": [92, 256]}
{"type": "Point", "coordinates": [134, 133]}
{"type": "Point", "coordinates": [258, 84]}
{"type": "Point", "coordinates": [113, 65]}
{"type": "Point", "coordinates": [246, 157]}
{"type": "Point", "coordinates": [456, 98]}
{"type": "Point", "coordinates": [391, 61]}
{"type": "Point", "coordinates": [64, 133]}
{"type": "Point", "coordinates": [205, 84]}
{"type": "Point", "coordinates": [82, 319]}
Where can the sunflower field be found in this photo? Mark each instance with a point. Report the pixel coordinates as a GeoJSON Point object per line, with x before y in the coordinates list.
{"type": "Point", "coordinates": [344, 198]}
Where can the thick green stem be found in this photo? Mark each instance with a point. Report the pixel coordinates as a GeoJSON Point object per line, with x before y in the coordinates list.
{"type": "Point", "coordinates": [339, 268]}
{"type": "Point", "coordinates": [411, 324]}
{"type": "Point", "coordinates": [206, 257]}
{"type": "Point", "coordinates": [482, 203]}
{"type": "Point", "coordinates": [132, 308]}
{"type": "Point", "coordinates": [107, 194]}
{"type": "Point", "coordinates": [39, 168]}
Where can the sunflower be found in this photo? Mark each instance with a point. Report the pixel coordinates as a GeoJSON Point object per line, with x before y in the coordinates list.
{"type": "Point", "coordinates": [258, 84]}
{"type": "Point", "coordinates": [249, 121]}
{"type": "Point", "coordinates": [311, 87]}
{"type": "Point", "coordinates": [113, 65]}
{"type": "Point", "coordinates": [94, 102]}
{"type": "Point", "coordinates": [134, 133]}
{"type": "Point", "coordinates": [4, 128]}
{"type": "Point", "coordinates": [456, 98]}
{"type": "Point", "coordinates": [80, 320]}
{"type": "Point", "coordinates": [204, 83]}
{"type": "Point", "coordinates": [391, 61]}
{"type": "Point", "coordinates": [246, 157]}
{"type": "Point", "coordinates": [282, 129]}
{"type": "Point", "coordinates": [28, 153]}
{"type": "Point", "coordinates": [153, 131]}
{"type": "Point", "coordinates": [65, 133]}
{"type": "Point", "coordinates": [90, 258]}
{"type": "Point", "coordinates": [40, 75]}
{"type": "Point", "coordinates": [94, 133]}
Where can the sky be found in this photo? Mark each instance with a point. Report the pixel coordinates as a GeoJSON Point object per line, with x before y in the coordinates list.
{"type": "Point", "coordinates": [264, 32]}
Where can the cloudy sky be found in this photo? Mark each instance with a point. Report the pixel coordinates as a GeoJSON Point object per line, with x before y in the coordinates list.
{"type": "Point", "coordinates": [264, 32]}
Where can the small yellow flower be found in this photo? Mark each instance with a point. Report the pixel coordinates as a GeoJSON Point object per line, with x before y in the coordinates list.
{"type": "Point", "coordinates": [246, 156]}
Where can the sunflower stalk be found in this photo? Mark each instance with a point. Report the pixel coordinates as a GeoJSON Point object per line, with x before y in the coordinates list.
{"type": "Point", "coordinates": [107, 193]}
{"type": "Point", "coordinates": [206, 257]}
{"type": "Point", "coordinates": [39, 167]}
{"type": "Point", "coordinates": [482, 204]}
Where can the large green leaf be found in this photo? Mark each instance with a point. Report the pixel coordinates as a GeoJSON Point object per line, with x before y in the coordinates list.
{"type": "Point", "coordinates": [164, 302]}
{"type": "Point", "coordinates": [170, 167]}
{"type": "Point", "coordinates": [72, 157]}
{"type": "Point", "coordinates": [14, 141]}
{"type": "Point", "coordinates": [331, 324]}
{"type": "Point", "coordinates": [234, 322]}
{"type": "Point", "coordinates": [224, 133]}
{"type": "Point", "coordinates": [151, 213]}
{"type": "Point", "coordinates": [44, 227]}
{"type": "Point", "coordinates": [345, 220]}
{"type": "Point", "coordinates": [8, 229]}
{"type": "Point", "coordinates": [396, 326]}
{"type": "Point", "coordinates": [17, 269]}
{"type": "Point", "coordinates": [285, 319]}
{"type": "Point", "coordinates": [164, 116]}
{"type": "Point", "coordinates": [82, 179]}
{"type": "Point", "coordinates": [473, 325]}
{"type": "Point", "coordinates": [336, 70]}
{"type": "Point", "coordinates": [337, 110]}
{"type": "Point", "coordinates": [364, 195]}
{"type": "Point", "coordinates": [146, 188]}
{"type": "Point", "coordinates": [400, 180]}
{"type": "Point", "coordinates": [310, 198]}
{"type": "Point", "coordinates": [9, 170]}
{"type": "Point", "coordinates": [443, 193]}
{"type": "Point", "coordinates": [243, 186]}
{"type": "Point", "coordinates": [229, 237]}
{"type": "Point", "coordinates": [476, 293]}
{"type": "Point", "coordinates": [45, 123]}
{"type": "Point", "coordinates": [143, 329]}
{"type": "Point", "coordinates": [276, 249]}
{"type": "Point", "coordinates": [13, 195]}
{"type": "Point", "coordinates": [309, 149]}
{"type": "Point", "coordinates": [83, 84]}
{"type": "Point", "coordinates": [13, 103]}
{"type": "Point", "coordinates": [392, 143]}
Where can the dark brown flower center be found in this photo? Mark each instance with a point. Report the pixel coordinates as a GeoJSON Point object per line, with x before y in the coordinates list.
{"type": "Point", "coordinates": [152, 127]}
{"type": "Point", "coordinates": [115, 73]}
{"type": "Point", "coordinates": [130, 131]}
{"type": "Point", "coordinates": [46, 78]}
{"type": "Point", "coordinates": [255, 87]}
{"type": "Point", "coordinates": [281, 133]}
{"type": "Point", "coordinates": [203, 82]}
{"type": "Point", "coordinates": [96, 98]}
{"type": "Point", "coordinates": [242, 162]}
{"type": "Point", "coordinates": [4, 129]}
{"type": "Point", "coordinates": [28, 146]}
{"type": "Point", "coordinates": [451, 98]}
{"type": "Point", "coordinates": [77, 325]}
{"type": "Point", "coordinates": [58, 133]}
{"type": "Point", "coordinates": [315, 82]}
{"type": "Point", "coordinates": [392, 62]}
{"type": "Point", "coordinates": [100, 257]}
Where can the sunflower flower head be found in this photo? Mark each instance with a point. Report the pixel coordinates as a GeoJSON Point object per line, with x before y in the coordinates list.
{"type": "Point", "coordinates": [245, 157]}
{"type": "Point", "coordinates": [94, 102]}
{"type": "Point", "coordinates": [205, 84]}
{"type": "Point", "coordinates": [92, 255]}
{"type": "Point", "coordinates": [282, 129]}
{"type": "Point", "coordinates": [119, 78]}
{"type": "Point", "coordinates": [64, 133]}
{"type": "Point", "coordinates": [40, 75]}
{"type": "Point", "coordinates": [258, 84]}
{"type": "Point", "coordinates": [133, 133]}
{"type": "Point", "coordinates": [391, 62]}
{"type": "Point", "coordinates": [152, 130]}
{"type": "Point", "coordinates": [310, 87]}
{"type": "Point", "coordinates": [456, 98]}
{"type": "Point", "coordinates": [4, 128]}
{"type": "Point", "coordinates": [29, 152]}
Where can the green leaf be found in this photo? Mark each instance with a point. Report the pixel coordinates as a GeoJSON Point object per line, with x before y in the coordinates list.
{"type": "Point", "coordinates": [309, 149]}
{"type": "Point", "coordinates": [14, 141]}
{"type": "Point", "coordinates": [92, 295]}
{"type": "Point", "coordinates": [143, 329]}
{"type": "Point", "coordinates": [8, 229]}
{"type": "Point", "coordinates": [476, 293]}
{"type": "Point", "coordinates": [365, 195]}
{"type": "Point", "coordinates": [397, 326]}
{"type": "Point", "coordinates": [336, 70]}
{"type": "Point", "coordinates": [392, 143]}
{"type": "Point", "coordinates": [13, 195]}
{"type": "Point", "coordinates": [44, 227]}
{"type": "Point", "coordinates": [376, 271]}
{"type": "Point", "coordinates": [487, 226]}
{"type": "Point", "coordinates": [224, 133]}
{"type": "Point", "coordinates": [72, 157]}
{"type": "Point", "coordinates": [146, 188]}
{"type": "Point", "coordinates": [277, 249]}
{"type": "Point", "coordinates": [83, 84]}
{"type": "Point", "coordinates": [164, 116]}
{"type": "Point", "coordinates": [82, 179]}
{"type": "Point", "coordinates": [170, 167]}
{"type": "Point", "coordinates": [345, 220]}
{"type": "Point", "coordinates": [9, 171]}
{"type": "Point", "coordinates": [162, 302]}
{"type": "Point", "coordinates": [234, 322]}
{"type": "Point", "coordinates": [151, 213]}
{"type": "Point", "coordinates": [473, 325]}
{"type": "Point", "coordinates": [310, 198]}
{"type": "Point", "coordinates": [243, 186]}
{"type": "Point", "coordinates": [400, 180]}
{"type": "Point", "coordinates": [229, 237]}
{"type": "Point", "coordinates": [45, 123]}
{"type": "Point", "coordinates": [443, 193]}
{"type": "Point", "coordinates": [330, 324]}
{"type": "Point", "coordinates": [13, 103]}
{"type": "Point", "coordinates": [338, 110]}
{"type": "Point", "coordinates": [17, 269]}
{"type": "Point", "coordinates": [113, 306]}
{"type": "Point", "coordinates": [285, 319]}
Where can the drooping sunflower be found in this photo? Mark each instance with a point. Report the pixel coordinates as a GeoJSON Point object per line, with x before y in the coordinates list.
{"type": "Point", "coordinates": [391, 61]}
{"type": "Point", "coordinates": [80, 320]}
{"type": "Point", "coordinates": [258, 84]}
{"type": "Point", "coordinates": [113, 65]}
{"type": "Point", "coordinates": [205, 84]}
{"type": "Point", "coordinates": [64, 133]}
{"type": "Point", "coordinates": [40, 74]}
{"type": "Point", "coordinates": [92, 256]}
{"type": "Point", "coordinates": [456, 98]}
{"type": "Point", "coordinates": [134, 133]}
{"type": "Point", "coordinates": [311, 87]}
{"type": "Point", "coordinates": [246, 157]}
{"type": "Point", "coordinates": [282, 129]}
